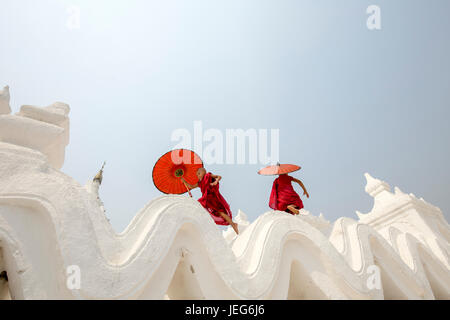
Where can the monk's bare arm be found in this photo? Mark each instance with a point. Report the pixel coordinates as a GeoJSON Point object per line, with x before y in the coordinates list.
{"type": "Point", "coordinates": [190, 186]}
{"type": "Point", "coordinates": [216, 179]}
{"type": "Point", "coordinates": [301, 185]}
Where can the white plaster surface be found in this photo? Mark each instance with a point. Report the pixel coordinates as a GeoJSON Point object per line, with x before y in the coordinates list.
{"type": "Point", "coordinates": [173, 250]}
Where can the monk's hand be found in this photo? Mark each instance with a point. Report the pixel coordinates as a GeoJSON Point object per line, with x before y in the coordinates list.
{"type": "Point", "coordinates": [214, 183]}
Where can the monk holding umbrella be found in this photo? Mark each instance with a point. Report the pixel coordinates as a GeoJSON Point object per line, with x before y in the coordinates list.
{"type": "Point", "coordinates": [211, 199]}
{"type": "Point", "coordinates": [283, 196]}
{"type": "Point", "coordinates": [178, 171]}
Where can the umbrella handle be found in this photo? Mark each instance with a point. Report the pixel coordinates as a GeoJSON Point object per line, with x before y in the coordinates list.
{"type": "Point", "coordinates": [189, 191]}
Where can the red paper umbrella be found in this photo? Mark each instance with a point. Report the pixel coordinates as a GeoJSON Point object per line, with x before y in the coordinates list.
{"type": "Point", "coordinates": [278, 169]}
{"type": "Point", "coordinates": [173, 165]}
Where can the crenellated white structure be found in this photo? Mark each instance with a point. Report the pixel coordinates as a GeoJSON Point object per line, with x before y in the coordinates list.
{"type": "Point", "coordinates": [173, 250]}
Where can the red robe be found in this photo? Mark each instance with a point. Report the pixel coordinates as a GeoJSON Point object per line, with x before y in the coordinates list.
{"type": "Point", "coordinates": [213, 201]}
{"type": "Point", "coordinates": [283, 194]}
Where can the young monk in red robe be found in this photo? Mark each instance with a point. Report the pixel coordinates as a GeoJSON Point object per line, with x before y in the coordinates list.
{"type": "Point", "coordinates": [283, 196]}
{"type": "Point", "coordinates": [211, 198]}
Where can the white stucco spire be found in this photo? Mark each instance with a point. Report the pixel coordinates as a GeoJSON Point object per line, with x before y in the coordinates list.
{"type": "Point", "coordinates": [375, 186]}
{"type": "Point", "coordinates": [4, 101]}
{"type": "Point", "coordinates": [99, 175]}
{"type": "Point", "coordinates": [49, 224]}
{"type": "Point", "coordinates": [93, 186]}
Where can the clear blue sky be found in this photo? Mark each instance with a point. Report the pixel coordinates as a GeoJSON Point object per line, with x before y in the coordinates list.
{"type": "Point", "coordinates": [346, 100]}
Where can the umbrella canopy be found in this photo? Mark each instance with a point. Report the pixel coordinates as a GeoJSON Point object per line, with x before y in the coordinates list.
{"type": "Point", "coordinates": [172, 166]}
{"type": "Point", "coordinates": [278, 169]}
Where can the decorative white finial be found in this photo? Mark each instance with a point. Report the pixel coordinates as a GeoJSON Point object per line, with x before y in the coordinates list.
{"type": "Point", "coordinates": [360, 215]}
{"type": "Point", "coordinates": [99, 175]}
{"type": "Point", "coordinates": [241, 218]}
{"type": "Point", "coordinates": [375, 186]}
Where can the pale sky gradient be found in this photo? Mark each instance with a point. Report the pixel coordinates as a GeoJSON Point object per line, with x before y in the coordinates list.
{"type": "Point", "coordinates": [346, 100]}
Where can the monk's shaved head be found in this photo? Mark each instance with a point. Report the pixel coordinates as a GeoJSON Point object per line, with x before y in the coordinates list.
{"type": "Point", "coordinates": [201, 173]}
{"type": "Point", "coordinates": [201, 170]}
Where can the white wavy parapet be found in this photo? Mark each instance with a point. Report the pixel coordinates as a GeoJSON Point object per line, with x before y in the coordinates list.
{"type": "Point", "coordinates": [172, 249]}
